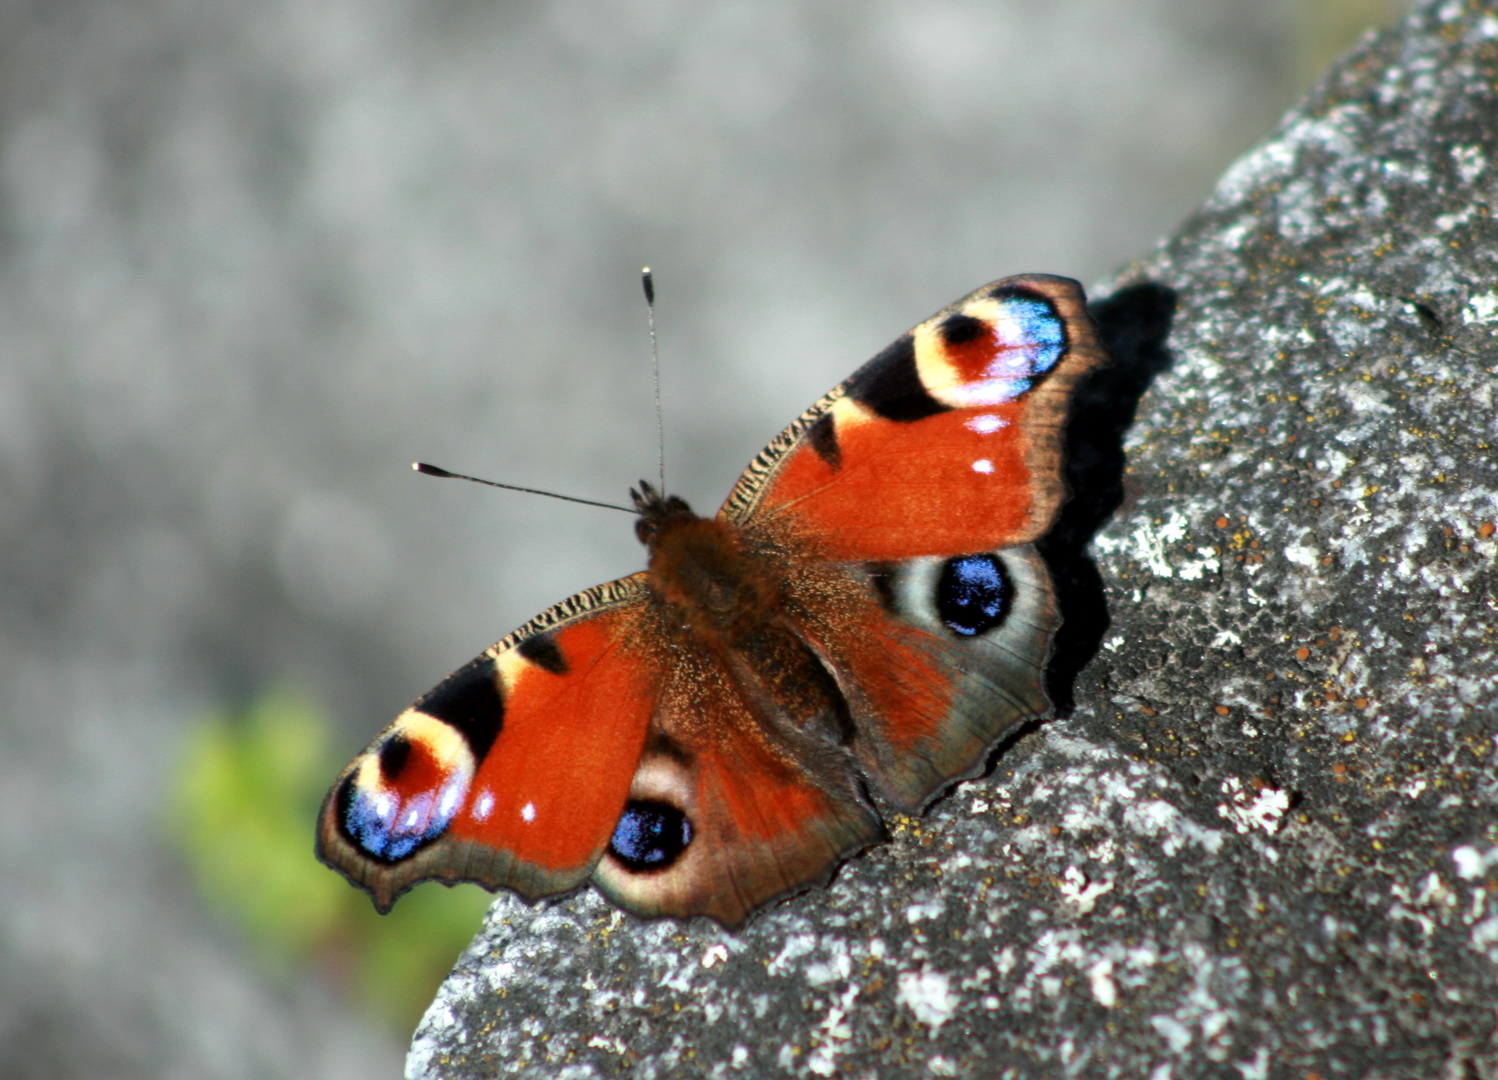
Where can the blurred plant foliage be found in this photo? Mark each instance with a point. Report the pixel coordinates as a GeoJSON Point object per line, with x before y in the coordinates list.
{"type": "Point", "coordinates": [243, 810]}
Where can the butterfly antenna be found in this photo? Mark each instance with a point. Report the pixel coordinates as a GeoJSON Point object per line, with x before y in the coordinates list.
{"type": "Point", "coordinates": [432, 470]}
{"type": "Point", "coordinates": [648, 280]}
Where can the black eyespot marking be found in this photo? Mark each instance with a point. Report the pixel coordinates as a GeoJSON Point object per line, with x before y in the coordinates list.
{"type": "Point", "coordinates": [345, 798]}
{"type": "Point", "coordinates": [542, 651]}
{"type": "Point", "coordinates": [823, 438]}
{"type": "Point", "coordinates": [891, 386]}
{"type": "Point", "coordinates": [393, 757]}
{"type": "Point", "coordinates": [384, 828]}
{"type": "Point", "coordinates": [650, 835]}
{"type": "Point", "coordinates": [351, 821]}
{"type": "Point", "coordinates": [973, 594]}
{"type": "Point", "coordinates": [1020, 292]}
{"type": "Point", "coordinates": [960, 329]}
{"type": "Point", "coordinates": [469, 700]}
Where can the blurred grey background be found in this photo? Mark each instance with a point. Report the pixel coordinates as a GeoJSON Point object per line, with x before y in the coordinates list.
{"type": "Point", "coordinates": [255, 258]}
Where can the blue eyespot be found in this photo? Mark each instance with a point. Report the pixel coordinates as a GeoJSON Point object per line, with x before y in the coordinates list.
{"type": "Point", "coordinates": [1041, 332]}
{"type": "Point", "coordinates": [389, 823]}
{"type": "Point", "coordinates": [650, 835]}
{"type": "Point", "coordinates": [385, 827]}
{"type": "Point", "coordinates": [1026, 339]}
{"type": "Point", "coordinates": [973, 594]}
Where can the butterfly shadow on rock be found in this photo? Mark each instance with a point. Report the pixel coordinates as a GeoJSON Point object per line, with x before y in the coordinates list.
{"type": "Point", "coordinates": [1134, 324]}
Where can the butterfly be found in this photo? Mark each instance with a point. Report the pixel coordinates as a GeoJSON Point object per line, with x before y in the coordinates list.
{"type": "Point", "coordinates": [861, 621]}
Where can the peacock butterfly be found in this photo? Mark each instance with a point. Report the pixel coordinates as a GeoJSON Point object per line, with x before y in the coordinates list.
{"type": "Point", "coordinates": [862, 620]}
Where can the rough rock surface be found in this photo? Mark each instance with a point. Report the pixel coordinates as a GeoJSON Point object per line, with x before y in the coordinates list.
{"type": "Point", "coordinates": [1262, 839]}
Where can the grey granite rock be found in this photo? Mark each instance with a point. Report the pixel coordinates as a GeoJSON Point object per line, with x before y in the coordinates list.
{"type": "Point", "coordinates": [1262, 838]}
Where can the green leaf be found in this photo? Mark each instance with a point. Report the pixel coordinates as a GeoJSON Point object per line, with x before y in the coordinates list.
{"type": "Point", "coordinates": [243, 810]}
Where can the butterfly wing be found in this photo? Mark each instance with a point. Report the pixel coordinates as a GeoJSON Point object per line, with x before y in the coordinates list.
{"type": "Point", "coordinates": [936, 658]}
{"type": "Point", "coordinates": [947, 442]}
{"type": "Point", "coordinates": [741, 795]}
{"type": "Point", "coordinates": [903, 506]}
{"type": "Point", "coordinates": [514, 770]}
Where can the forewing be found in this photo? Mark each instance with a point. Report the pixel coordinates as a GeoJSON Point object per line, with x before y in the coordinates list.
{"type": "Point", "coordinates": [511, 772]}
{"type": "Point", "coordinates": [948, 441]}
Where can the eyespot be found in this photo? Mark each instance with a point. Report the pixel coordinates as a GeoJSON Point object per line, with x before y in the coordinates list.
{"type": "Point", "coordinates": [960, 329]}
{"type": "Point", "coordinates": [650, 835]}
{"type": "Point", "coordinates": [999, 358]}
{"type": "Point", "coordinates": [403, 794]}
{"type": "Point", "coordinates": [973, 594]}
{"type": "Point", "coordinates": [393, 757]}
{"type": "Point", "coordinates": [384, 826]}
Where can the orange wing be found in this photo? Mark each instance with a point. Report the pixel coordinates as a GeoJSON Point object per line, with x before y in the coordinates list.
{"type": "Point", "coordinates": [513, 771]}
{"type": "Point", "coordinates": [949, 441]}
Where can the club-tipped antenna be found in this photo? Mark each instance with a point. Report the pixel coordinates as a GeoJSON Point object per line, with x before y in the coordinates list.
{"type": "Point", "coordinates": [648, 280]}
{"type": "Point", "coordinates": [433, 470]}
